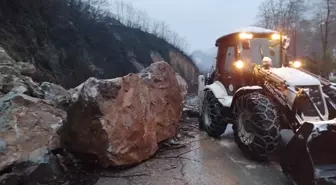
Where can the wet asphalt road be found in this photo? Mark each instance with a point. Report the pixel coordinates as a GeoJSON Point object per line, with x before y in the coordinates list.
{"type": "Point", "coordinates": [201, 161]}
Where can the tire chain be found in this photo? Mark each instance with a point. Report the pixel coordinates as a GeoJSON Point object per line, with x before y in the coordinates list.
{"type": "Point", "coordinates": [264, 143]}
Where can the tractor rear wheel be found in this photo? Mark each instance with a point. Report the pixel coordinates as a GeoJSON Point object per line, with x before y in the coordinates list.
{"type": "Point", "coordinates": [257, 128]}
{"type": "Point", "coordinates": [212, 119]}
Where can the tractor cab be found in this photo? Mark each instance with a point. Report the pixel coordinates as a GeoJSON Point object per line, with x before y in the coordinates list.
{"type": "Point", "coordinates": [270, 102]}
{"type": "Point", "coordinates": [240, 50]}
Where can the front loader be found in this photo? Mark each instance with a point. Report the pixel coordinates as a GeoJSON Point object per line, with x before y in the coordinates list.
{"type": "Point", "coordinates": [272, 104]}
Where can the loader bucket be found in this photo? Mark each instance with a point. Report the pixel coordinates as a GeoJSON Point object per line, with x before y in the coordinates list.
{"type": "Point", "coordinates": [309, 158]}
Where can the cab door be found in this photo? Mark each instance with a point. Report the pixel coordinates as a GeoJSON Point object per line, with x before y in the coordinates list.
{"type": "Point", "coordinates": [225, 59]}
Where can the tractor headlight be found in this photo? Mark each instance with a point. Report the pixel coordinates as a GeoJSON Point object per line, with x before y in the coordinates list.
{"type": "Point", "coordinates": [239, 64]}
{"type": "Point", "coordinates": [275, 36]}
{"type": "Point", "coordinates": [245, 35]}
{"type": "Point", "coordinates": [296, 64]}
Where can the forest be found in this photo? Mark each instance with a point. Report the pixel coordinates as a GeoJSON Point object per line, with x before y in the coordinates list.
{"type": "Point", "coordinates": [311, 25]}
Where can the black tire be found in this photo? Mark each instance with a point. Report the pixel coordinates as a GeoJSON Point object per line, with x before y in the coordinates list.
{"type": "Point", "coordinates": [212, 119]}
{"type": "Point", "coordinates": [257, 115]}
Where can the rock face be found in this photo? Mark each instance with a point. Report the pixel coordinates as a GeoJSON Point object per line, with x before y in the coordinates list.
{"type": "Point", "coordinates": [12, 77]}
{"type": "Point", "coordinates": [27, 129]}
{"type": "Point", "coordinates": [122, 120]}
{"type": "Point", "coordinates": [81, 43]}
{"type": "Point", "coordinates": [28, 125]}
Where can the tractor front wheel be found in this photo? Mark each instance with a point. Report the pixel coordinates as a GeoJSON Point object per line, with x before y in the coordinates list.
{"type": "Point", "coordinates": [212, 119]}
{"type": "Point", "coordinates": [256, 130]}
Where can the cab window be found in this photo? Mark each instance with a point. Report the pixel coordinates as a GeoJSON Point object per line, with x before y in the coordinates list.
{"type": "Point", "coordinates": [229, 58]}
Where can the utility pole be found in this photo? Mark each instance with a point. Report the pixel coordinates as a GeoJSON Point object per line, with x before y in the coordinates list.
{"type": "Point", "coordinates": [295, 42]}
{"type": "Point", "coordinates": [280, 50]}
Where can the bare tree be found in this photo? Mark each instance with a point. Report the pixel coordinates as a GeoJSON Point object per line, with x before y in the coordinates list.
{"type": "Point", "coordinates": [163, 30]}
{"type": "Point", "coordinates": [145, 21]}
{"type": "Point", "coordinates": [118, 7]}
{"type": "Point", "coordinates": [155, 27]}
{"type": "Point", "coordinates": [174, 38]}
{"type": "Point", "coordinates": [325, 22]}
{"type": "Point", "coordinates": [280, 15]}
{"type": "Point", "coordinates": [310, 24]}
{"type": "Point", "coordinates": [130, 13]}
{"type": "Point", "coordinates": [139, 19]}
{"type": "Point", "coordinates": [324, 15]}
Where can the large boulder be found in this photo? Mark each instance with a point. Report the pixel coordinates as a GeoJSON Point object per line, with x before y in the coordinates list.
{"type": "Point", "coordinates": [122, 120]}
{"type": "Point", "coordinates": [28, 129]}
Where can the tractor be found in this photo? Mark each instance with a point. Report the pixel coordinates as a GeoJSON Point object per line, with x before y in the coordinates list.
{"type": "Point", "coordinates": [273, 104]}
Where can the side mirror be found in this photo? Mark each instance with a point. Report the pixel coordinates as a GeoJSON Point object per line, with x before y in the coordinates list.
{"type": "Point", "coordinates": [272, 51]}
{"type": "Point", "coordinates": [261, 52]}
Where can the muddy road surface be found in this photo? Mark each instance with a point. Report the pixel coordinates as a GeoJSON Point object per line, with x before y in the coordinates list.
{"type": "Point", "coordinates": [197, 160]}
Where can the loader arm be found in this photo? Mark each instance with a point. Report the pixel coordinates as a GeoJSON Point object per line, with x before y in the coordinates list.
{"type": "Point", "coordinates": [272, 83]}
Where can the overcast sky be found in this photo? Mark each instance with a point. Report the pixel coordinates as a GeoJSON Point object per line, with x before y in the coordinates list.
{"type": "Point", "coordinates": [201, 22]}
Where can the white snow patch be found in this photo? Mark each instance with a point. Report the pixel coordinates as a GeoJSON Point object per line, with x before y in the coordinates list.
{"type": "Point", "coordinates": [17, 131]}
{"type": "Point", "coordinates": [255, 87]}
{"type": "Point", "coordinates": [295, 77]}
{"type": "Point", "coordinates": [319, 127]}
{"type": "Point", "coordinates": [227, 144]}
{"type": "Point", "coordinates": [115, 80]}
{"type": "Point", "coordinates": [229, 131]}
{"type": "Point", "coordinates": [92, 92]}
{"type": "Point", "coordinates": [251, 29]}
{"type": "Point", "coordinates": [237, 161]}
{"type": "Point", "coordinates": [250, 166]}
{"type": "Point", "coordinates": [323, 125]}
{"type": "Point", "coordinates": [57, 125]}
{"type": "Point", "coordinates": [192, 101]}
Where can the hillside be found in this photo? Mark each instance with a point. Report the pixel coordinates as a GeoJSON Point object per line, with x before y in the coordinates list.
{"type": "Point", "coordinates": [204, 59]}
{"type": "Point", "coordinates": [69, 41]}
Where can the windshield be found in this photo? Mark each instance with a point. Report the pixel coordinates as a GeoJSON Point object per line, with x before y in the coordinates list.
{"type": "Point", "coordinates": [262, 47]}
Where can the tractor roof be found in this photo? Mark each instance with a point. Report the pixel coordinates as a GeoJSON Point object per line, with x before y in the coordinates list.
{"type": "Point", "coordinates": [248, 29]}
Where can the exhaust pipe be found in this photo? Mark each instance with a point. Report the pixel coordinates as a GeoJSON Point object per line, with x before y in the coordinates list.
{"type": "Point", "coordinates": [309, 157]}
